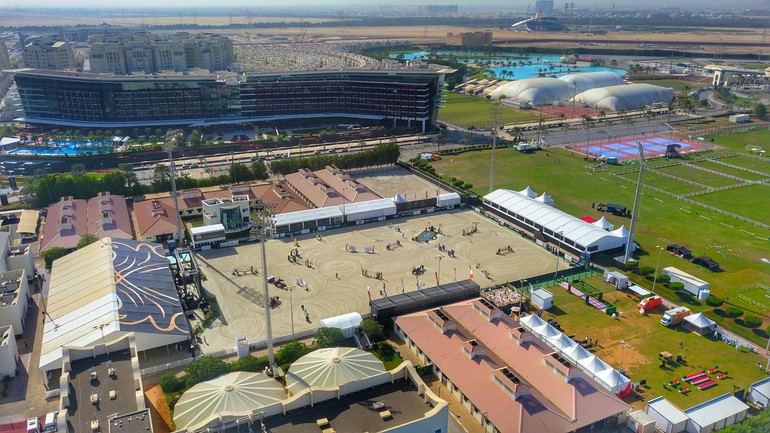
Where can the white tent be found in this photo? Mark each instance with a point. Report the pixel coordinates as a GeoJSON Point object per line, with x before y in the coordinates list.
{"type": "Point", "coordinates": [621, 232]}
{"type": "Point", "coordinates": [603, 224]}
{"type": "Point", "coordinates": [398, 198]}
{"type": "Point", "coordinates": [577, 353]}
{"type": "Point", "coordinates": [614, 381]}
{"type": "Point", "coordinates": [532, 321]}
{"type": "Point", "coordinates": [562, 343]}
{"type": "Point", "coordinates": [545, 198]}
{"type": "Point", "coordinates": [225, 398]}
{"type": "Point", "coordinates": [346, 322]}
{"type": "Point", "coordinates": [332, 368]}
{"type": "Point", "coordinates": [700, 324]}
{"type": "Point", "coordinates": [528, 192]}
{"type": "Point", "coordinates": [547, 331]}
{"type": "Point", "coordinates": [593, 365]}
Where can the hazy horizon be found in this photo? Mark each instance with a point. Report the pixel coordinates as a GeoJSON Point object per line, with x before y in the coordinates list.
{"type": "Point", "coordinates": [359, 4]}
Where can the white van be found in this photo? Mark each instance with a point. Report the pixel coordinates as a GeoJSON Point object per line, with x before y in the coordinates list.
{"type": "Point", "coordinates": [50, 422]}
{"type": "Point", "coordinates": [33, 425]}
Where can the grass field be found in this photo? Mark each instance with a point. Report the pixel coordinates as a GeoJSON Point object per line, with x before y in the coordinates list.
{"type": "Point", "coordinates": [738, 141]}
{"type": "Point", "coordinates": [754, 297]}
{"type": "Point", "coordinates": [465, 110]}
{"type": "Point", "coordinates": [703, 177]}
{"type": "Point", "coordinates": [645, 338]}
{"type": "Point", "coordinates": [744, 174]}
{"type": "Point", "coordinates": [738, 246]}
{"type": "Point", "coordinates": [665, 183]}
{"type": "Point", "coordinates": [750, 163]}
{"type": "Point", "coordinates": [678, 85]}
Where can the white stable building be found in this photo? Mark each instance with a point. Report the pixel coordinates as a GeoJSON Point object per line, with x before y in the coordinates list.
{"type": "Point", "coordinates": [537, 216]}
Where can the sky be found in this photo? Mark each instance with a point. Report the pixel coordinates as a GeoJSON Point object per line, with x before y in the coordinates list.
{"type": "Point", "coordinates": [467, 4]}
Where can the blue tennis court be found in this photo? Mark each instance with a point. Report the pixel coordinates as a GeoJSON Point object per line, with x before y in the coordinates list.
{"type": "Point", "coordinates": [653, 147]}
{"type": "Point", "coordinates": [666, 141]}
{"type": "Point", "coordinates": [626, 149]}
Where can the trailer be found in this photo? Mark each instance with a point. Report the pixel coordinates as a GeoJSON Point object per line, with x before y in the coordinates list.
{"type": "Point", "coordinates": [674, 316]}
{"type": "Point", "coordinates": [693, 285]}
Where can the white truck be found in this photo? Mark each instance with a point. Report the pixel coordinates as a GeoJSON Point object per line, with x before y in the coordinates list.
{"type": "Point", "coordinates": [674, 316]}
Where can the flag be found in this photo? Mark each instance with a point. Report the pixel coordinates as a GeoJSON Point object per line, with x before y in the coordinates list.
{"type": "Point", "coordinates": [471, 271]}
{"type": "Point", "coordinates": [212, 171]}
{"type": "Point", "coordinates": [437, 283]}
{"type": "Point", "coordinates": [369, 292]}
{"type": "Point", "coordinates": [383, 289]}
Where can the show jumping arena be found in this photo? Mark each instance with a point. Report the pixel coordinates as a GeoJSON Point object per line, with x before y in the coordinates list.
{"type": "Point", "coordinates": [626, 149]}
{"type": "Point", "coordinates": [334, 279]}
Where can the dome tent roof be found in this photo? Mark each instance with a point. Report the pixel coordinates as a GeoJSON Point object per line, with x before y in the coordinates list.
{"type": "Point", "coordinates": [228, 396]}
{"type": "Point", "coordinates": [331, 367]}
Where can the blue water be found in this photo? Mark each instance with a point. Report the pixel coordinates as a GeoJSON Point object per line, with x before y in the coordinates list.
{"type": "Point", "coordinates": [65, 148]}
{"type": "Point", "coordinates": [519, 65]}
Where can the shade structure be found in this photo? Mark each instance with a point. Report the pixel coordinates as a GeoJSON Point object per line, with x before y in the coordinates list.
{"type": "Point", "coordinates": [577, 353]}
{"type": "Point", "coordinates": [547, 331]}
{"type": "Point", "coordinates": [700, 324]}
{"type": "Point", "coordinates": [593, 365]}
{"type": "Point", "coordinates": [562, 343]}
{"type": "Point", "coordinates": [347, 323]}
{"type": "Point", "coordinates": [332, 367]}
{"type": "Point", "coordinates": [545, 198]}
{"type": "Point", "coordinates": [614, 381]}
{"type": "Point", "coordinates": [603, 224]}
{"type": "Point", "coordinates": [621, 232]}
{"type": "Point", "coordinates": [532, 321]}
{"type": "Point", "coordinates": [225, 398]}
{"type": "Point", "coordinates": [528, 192]}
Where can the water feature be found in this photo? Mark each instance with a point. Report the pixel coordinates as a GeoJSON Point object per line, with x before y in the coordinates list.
{"type": "Point", "coordinates": [515, 66]}
{"type": "Point", "coordinates": [58, 148]}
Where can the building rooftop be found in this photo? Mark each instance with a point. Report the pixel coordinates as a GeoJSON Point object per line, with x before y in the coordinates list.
{"type": "Point", "coordinates": [520, 382]}
{"type": "Point", "coordinates": [69, 219]}
{"type": "Point", "coordinates": [135, 422]}
{"type": "Point", "coordinates": [354, 413]}
{"type": "Point", "coordinates": [82, 411]}
{"type": "Point", "coordinates": [329, 187]}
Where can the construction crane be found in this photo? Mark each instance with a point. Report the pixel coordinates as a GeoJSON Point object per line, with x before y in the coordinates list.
{"type": "Point", "coordinates": [637, 199]}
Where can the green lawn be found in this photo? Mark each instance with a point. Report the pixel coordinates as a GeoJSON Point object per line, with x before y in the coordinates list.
{"type": "Point", "coordinates": [465, 110]}
{"type": "Point", "coordinates": [756, 65]}
{"type": "Point", "coordinates": [738, 141]}
{"type": "Point", "coordinates": [700, 176]}
{"type": "Point", "coordinates": [748, 162]}
{"type": "Point", "coordinates": [739, 200]}
{"type": "Point", "coordinates": [645, 338]}
{"type": "Point", "coordinates": [664, 183]}
{"type": "Point", "coordinates": [674, 84]}
{"type": "Point", "coordinates": [730, 170]}
{"type": "Point", "coordinates": [663, 220]}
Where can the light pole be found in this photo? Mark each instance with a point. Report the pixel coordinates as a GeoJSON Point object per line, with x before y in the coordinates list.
{"type": "Point", "coordinates": [622, 352]}
{"type": "Point", "coordinates": [101, 328]}
{"type": "Point", "coordinates": [455, 274]}
{"type": "Point", "coordinates": [558, 243]}
{"type": "Point", "coordinates": [655, 278]}
{"type": "Point", "coordinates": [291, 306]}
{"type": "Point", "coordinates": [438, 272]}
{"type": "Point", "coordinates": [270, 354]}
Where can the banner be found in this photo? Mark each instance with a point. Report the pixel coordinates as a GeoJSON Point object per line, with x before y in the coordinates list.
{"type": "Point", "coordinates": [369, 292]}
{"type": "Point", "coordinates": [470, 269]}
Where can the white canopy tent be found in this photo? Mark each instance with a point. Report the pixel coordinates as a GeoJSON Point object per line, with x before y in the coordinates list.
{"type": "Point", "coordinates": [528, 192]}
{"type": "Point", "coordinates": [331, 368]}
{"type": "Point", "coordinates": [545, 198]}
{"type": "Point", "coordinates": [532, 321]}
{"type": "Point", "coordinates": [700, 323]}
{"type": "Point", "coordinates": [347, 323]}
{"type": "Point", "coordinates": [603, 224]}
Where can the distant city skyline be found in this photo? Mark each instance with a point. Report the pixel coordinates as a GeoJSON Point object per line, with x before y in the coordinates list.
{"type": "Point", "coordinates": [359, 4]}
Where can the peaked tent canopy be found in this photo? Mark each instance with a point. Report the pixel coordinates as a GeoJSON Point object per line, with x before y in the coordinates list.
{"type": "Point", "coordinates": [615, 381]}
{"type": "Point", "coordinates": [227, 397]}
{"type": "Point", "coordinates": [398, 198]}
{"type": "Point", "coordinates": [621, 232]}
{"type": "Point", "coordinates": [603, 224]}
{"type": "Point", "coordinates": [532, 321]}
{"type": "Point", "coordinates": [331, 368]}
{"type": "Point", "coordinates": [700, 323]}
{"type": "Point", "coordinates": [545, 198]}
{"type": "Point", "coordinates": [528, 192]}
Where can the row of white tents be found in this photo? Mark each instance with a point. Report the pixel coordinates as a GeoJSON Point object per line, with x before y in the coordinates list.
{"type": "Point", "coordinates": [574, 352]}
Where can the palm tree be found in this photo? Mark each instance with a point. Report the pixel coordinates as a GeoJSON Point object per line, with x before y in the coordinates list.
{"type": "Point", "coordinates": [161, 173]}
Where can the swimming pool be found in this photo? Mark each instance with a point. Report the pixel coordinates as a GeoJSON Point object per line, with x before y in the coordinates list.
{"type": "Point", "coordinates": [516, 66]}
{"type": "Point", "coordinates": [58, 148]}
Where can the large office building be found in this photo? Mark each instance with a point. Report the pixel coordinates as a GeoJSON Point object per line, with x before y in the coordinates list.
{"type": "Point", "coordinates": [140, 52]}
{"type": "Point", "coordinates": [5, 61]}
{"type": "Point", "coordinates": [42, 52]}
{"type": "Point", "coordinates": [405, 98]}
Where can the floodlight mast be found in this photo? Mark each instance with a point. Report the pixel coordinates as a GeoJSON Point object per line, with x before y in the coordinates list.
{"type": "Point", "coordinates": [637, 199]}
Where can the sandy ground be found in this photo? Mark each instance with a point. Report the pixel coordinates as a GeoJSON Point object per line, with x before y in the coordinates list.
{"type": "Point", "coordinates": [336, 284]}
{"type": "Point", "coordinates": [386, 182]}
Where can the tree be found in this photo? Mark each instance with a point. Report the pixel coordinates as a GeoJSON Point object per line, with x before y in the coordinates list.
{"type": "Point", "coordinates": [373, 329]}
{"type": "Point", "coordinates": [291, 352]}
{"type": "Point", "coordinates": [205, 368]}
{"type": "Point", "coordinates": [239, 172]}
{"type": "Point", "coordinates": [758, 424]}
{"type": "Point", "coordinates": [170, 383]}
{"type": "Point", "coordinates": [78, 170]}
{"type": "Point", "coordinates": [760, 110]}
{"type": "Point", "coordinates": [86, 240]}
{"type": "Point", "coordinates": [161, 173]}
{"type": "Point", "coordinates": [259, 170]}
{"type": "Point", "coordinates": [52, 254]}
{"type": "Point", "coordinates": [329, 337]}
